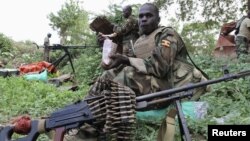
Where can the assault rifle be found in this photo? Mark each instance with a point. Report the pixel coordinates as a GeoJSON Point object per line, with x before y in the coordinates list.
{"type": "Point", "coordinates": [66, 52]}
{"type": "Point", "coordinates": [75, 115]}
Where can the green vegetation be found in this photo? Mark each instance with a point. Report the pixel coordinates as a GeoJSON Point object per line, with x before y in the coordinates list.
{"type": "Point", "coordinates": [212, 12]}
{"type": "Point", "coordinates": [20, 96]}
{"type": "Point", "coordinates": [228, 101]}
{"type": "Point", "coordinates": [71, 22]}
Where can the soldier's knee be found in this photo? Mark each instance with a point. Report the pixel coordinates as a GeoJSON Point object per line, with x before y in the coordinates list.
{"type": "Point", "coordinates": [198, 77]}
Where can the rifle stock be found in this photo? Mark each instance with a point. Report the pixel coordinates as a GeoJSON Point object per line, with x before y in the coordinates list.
{"type": "Point", "coordinates": [69, 117]}
{"type": "Point", "coordinates": [77, 114]}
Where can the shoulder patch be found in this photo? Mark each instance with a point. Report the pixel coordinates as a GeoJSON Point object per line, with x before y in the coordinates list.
{"type": "Point", "coordinates": [165, 33]}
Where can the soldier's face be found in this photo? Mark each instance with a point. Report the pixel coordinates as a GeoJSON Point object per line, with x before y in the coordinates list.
{"type": "Point", "coordinates": [148, 19]}
{"type": "Point", "coordinates": [126, 12]}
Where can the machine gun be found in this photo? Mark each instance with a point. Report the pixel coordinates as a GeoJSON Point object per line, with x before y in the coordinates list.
{"type": "Point", "coordinates": [66, 53]}
{"type": "Point", "coordinates": [77, 114]}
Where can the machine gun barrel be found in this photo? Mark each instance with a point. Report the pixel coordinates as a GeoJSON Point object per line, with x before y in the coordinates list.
{"type": "Point", "coordinates": [168, 92]}
{"type": "Point", "coordinates": [60, 47]}
{"type": "Point", "coordinates": [66, 48]}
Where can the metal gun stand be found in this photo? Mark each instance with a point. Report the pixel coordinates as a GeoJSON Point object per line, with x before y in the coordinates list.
{"type": "Point", "coordinates": [56, 63]}
{"type": "Point", "coordinates": [143, 103]}
{"type": "Point", "coordinates": [185, 135]}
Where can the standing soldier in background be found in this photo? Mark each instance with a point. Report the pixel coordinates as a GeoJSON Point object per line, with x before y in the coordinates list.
{"type": "Point", "coordinates": [46, 48]}
{"type": "Point", "coordinates": [128, 30]}
{"type": "Point", "coordinates": [243, 37]}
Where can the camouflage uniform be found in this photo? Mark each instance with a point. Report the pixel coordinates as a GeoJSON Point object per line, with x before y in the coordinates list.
{"type": "Point", "coordinates": [46, 49]}
{"type": "Point", "coordinates": [243, 37]}
{"type": "Point", "coordinates": [157, 67]}
{"type": "Point", "coordinates": [129, 32]}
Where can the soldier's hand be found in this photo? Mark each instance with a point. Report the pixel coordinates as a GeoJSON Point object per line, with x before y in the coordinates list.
{"type": "Point", "coordinates": [100, 39]}
{"type": "Point", "coordinates": [109, 35]}
{"type": "Point", "coordinates": [117, 59]}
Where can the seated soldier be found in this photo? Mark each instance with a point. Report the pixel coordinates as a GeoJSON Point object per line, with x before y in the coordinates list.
{"type": "Point", "coordinates": [161, 63]}
{"type": "Point", "coordinates": [161, 60]}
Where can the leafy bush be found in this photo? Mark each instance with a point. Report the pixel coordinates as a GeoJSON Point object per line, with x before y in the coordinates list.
{"type": "Point", "coordinates": [5, 43]}
{"type": "Point", "coordinates": [22, 53]}
{"type": "Point", "coordinates": [19, 96]}
{"type": "Point", "coordinates": [87, 66]}
{"type": "Point", "coordinates": [228, 101]}
{"type": "Point", "coordinates": [5, 46]}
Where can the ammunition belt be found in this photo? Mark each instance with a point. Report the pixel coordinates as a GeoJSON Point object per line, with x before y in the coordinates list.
{"type": "Point", "coordinates": [114, 110]}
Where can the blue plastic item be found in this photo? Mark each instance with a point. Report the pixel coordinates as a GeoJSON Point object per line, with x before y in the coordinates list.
{"type": "Point", "coordinates": [192, 109]}
{"type": "Point", "coordinates": [43, 76]}
{"type": "Point", "coordinates": [152, 116]}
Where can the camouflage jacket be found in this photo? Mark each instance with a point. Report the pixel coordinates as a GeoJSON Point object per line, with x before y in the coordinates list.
{"type": "Point", "coordinates": [161, 59]}
{"type": "Point", "coordinates": [128, 28]}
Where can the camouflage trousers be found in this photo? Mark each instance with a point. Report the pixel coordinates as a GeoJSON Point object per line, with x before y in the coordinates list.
{"type": "Point", "coordinates": [46, 53]}
{"type": "Point", "coordinates": [140, 83]}
{"type": "Point", "coordinates": [241, 45]}
{"type": "Point", "coordinates": [192, 77]}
